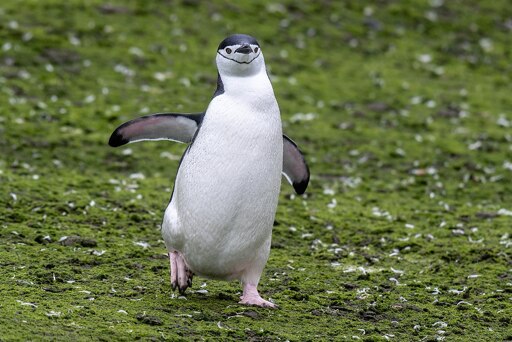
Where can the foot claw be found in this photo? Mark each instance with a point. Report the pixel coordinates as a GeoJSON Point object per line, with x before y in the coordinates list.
{"type": "Point", "coordinates": [258, 302]}
{"type": "Point", "coordinates": [252, 297]}
{"type": "Point", "coordinates": [181, 275]}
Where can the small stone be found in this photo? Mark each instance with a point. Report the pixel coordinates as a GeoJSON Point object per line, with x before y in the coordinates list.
{"type": "Point", "coordinates": [378, 107]}
{"type": "Point", "coordinates": [486, 215]}
{"type": "Point", "coordinates": [224, 296]}
{"type": "Point", "coordinates": [43, 240]}
{"type": "Point", "coordinates": [316, 313]}
{"type": "Point", "coordinates": [70, 240]}
{"type": "Point", "coordinates": [88, 243]}
{"type": "Point", "coordinates": [252, 314]}
{"type": "Point", "coordinates": [77, 240]}
{"type": "Point", "coordinates": [150, 320]}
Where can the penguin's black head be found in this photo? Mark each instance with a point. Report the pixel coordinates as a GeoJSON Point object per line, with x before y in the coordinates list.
{"type": "Point", "coordinates": [239, 54]}
{"type": "Point", "coordinates": [238, 39]}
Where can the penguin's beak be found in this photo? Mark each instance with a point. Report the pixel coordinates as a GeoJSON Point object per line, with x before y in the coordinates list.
{"type": "Point", "coordinates": [245, 49]}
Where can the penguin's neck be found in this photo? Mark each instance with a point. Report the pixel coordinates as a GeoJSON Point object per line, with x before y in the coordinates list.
{"type": "Point", "coordinates": [254, 87]}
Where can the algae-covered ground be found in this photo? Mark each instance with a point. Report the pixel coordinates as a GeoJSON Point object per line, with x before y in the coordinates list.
{"type": "Point", "coordinates": [402, 108]}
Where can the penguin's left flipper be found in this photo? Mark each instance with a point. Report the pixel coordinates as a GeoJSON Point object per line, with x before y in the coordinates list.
{"type": "Point", "coordinates": [295, 169]}
{"type": "Point", "coordinates": [161, 126]}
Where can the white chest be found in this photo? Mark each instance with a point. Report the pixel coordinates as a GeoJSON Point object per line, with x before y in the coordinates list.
{"type": "Point", "coordinates": [228, 184]}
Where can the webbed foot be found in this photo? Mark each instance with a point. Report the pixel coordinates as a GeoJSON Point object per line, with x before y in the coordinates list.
{"type": "Point", "coordinates": [181, 275]}
{"type": "Point", "coordinates": [252, 297]}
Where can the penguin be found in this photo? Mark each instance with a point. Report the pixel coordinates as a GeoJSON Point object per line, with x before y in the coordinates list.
{"type": "Point", "coordinates": [218, 223]}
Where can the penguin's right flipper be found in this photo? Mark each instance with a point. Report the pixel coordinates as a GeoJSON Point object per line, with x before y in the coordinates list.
{"type": "Point", "coordinates": [161, 126]}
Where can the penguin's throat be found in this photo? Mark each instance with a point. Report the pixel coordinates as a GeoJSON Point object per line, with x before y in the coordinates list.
{"type": "Point", "coordinates": [258, 83]}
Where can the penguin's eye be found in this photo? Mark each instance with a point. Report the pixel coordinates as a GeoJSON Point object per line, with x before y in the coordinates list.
{"type": "Point", "coordinates": [256, 49]}
{"type": "Point", "coordinates": [228, 50]}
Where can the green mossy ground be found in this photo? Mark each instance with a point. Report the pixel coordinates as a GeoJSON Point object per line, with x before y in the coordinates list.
{"type": "Point", "coordinates": [405, 231]}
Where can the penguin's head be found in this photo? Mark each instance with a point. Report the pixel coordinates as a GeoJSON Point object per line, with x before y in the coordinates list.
{"type": "Point", "coordinates": [239, 55]}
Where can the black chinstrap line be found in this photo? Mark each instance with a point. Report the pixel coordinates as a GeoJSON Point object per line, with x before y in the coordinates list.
{"type": "Point", "coordinates": [234, 60]}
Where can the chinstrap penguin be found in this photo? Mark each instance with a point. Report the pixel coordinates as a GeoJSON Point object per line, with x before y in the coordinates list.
{"type": "Point", "coordinates": [218, 223]}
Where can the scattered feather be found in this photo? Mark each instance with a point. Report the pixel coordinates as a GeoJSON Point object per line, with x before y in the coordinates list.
{"type": "Point", "coordinates": [458, 292]}
{"type": "Point", "coordinates": [27, 304]}
{"type": "Point", "coordinates": [119, 68]}
{"type": "Point", "coordinates": [300, 117]}
{"type": "Point", "coordinates": [440, 324]}
{"type": "Point", "coordinates": [462, 302]}
{"type": "Point", "coordinates": [475, 146]}
{"type": "Point", "coordinates": [397, 271]}
{"type": "Point", "coordinates": [137, 175]}
{"type": "Point", "coordinates": [169, 156]}
{"type": "Point", "coordinates": [504, 212]}
{"type": "Point", "coordinates": [142, 244]}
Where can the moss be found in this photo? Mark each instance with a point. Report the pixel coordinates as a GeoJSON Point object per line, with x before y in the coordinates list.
{"type": "Point", "coordinates": [403, 233]}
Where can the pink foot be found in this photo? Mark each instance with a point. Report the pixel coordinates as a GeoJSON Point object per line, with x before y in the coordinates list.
{"type": "Point", "coordinates": [181, 276]}
{"type": "Point", "coordinates": [252, 297]}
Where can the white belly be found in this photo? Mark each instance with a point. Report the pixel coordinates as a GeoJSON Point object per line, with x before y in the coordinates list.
{"type": "Point", "coordinates": [226, 190]}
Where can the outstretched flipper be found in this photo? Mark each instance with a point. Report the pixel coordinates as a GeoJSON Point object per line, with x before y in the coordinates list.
{"type": "Point", "coordinates": [183, 127]}
{"type": "Point", "coordinates": [295, 168]}
{"type": "Point", "coordinates": [162, 126]}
